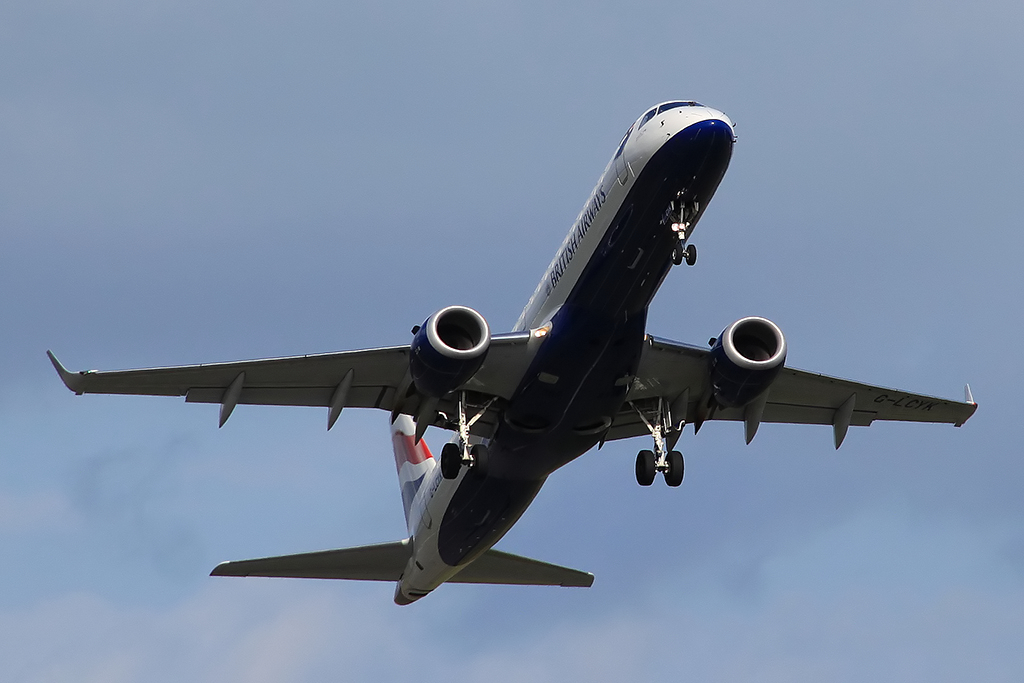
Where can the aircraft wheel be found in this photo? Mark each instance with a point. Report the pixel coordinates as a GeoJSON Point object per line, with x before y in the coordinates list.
{"type": "Point", "coordinates": [451, 460]}
{"type": "Point", "coordinates": [481, 460]}
{"type": "Point", "coordinates": [677, 254]}
{"type": "Point", "coordinates": [674, 474]}
{"type": "Point", "coordinates": [645, 469]}
{"type": "Point", "coordinates": [690, 254]}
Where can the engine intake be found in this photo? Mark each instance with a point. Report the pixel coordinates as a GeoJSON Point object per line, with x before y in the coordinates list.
{"type": "Point", "coordinates": [745, 360]}
{"type": "Point", "coordinates": [448, 349]}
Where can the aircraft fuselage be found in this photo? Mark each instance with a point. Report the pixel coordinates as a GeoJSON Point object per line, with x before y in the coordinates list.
{"type": "Point", "coordinates": [592, 306]}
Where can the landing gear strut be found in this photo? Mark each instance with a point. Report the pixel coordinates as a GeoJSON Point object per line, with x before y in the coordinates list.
{"type": "Point", "coordinates": [455, 455]}
{"type": "Point", "coordinates": [680, 215]}
{"type": "Point", "coordinates": [661, 459]}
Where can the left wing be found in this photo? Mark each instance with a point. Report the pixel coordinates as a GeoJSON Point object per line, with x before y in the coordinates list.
{"type": "Point", "coordinates": [369, 378]}
{"type": "Point", "coordinates": [668, 369]}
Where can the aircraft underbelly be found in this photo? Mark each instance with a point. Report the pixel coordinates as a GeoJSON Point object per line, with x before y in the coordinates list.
{"type": "Point", "coordinates": [579, 377]}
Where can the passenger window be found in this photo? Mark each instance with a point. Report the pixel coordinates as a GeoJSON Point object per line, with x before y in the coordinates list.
{"type": "Point", "coordinates": [647, 117]}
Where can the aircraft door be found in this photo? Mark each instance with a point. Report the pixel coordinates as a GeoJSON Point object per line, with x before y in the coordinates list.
{"type": "Point", "coordinates": [621, 168]}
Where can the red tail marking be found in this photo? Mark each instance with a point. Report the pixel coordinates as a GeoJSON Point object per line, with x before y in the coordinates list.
{"type": "Point", "coordinates": [411, 452]}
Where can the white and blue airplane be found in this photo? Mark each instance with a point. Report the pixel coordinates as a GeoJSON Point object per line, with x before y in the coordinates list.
{"type": "Point", "coordinates": [579, 369]}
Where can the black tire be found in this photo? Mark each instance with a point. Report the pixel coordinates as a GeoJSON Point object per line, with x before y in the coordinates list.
{"type": "Point", "coordinates": [451, 460]}
{"type": "Point", "coordinates": [691, 254]}
{"type": "Point", "coordinates": [645, 470]}
{"type": "Point", "coordinates": [674, 474]}
{"type": "Point", "coordinates": [677, 254]}
{"type": "Point", "coordinates": [481, 460]}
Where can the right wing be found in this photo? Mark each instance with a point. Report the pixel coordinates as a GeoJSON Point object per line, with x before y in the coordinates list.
{"type": "Point", "coordinates": [292, 381]}
{"type": "Point", "coordinates": [369, 378]}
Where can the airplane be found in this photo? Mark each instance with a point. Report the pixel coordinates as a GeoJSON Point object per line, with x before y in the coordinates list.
{"type": "Point", "coordinates": [578, 370]}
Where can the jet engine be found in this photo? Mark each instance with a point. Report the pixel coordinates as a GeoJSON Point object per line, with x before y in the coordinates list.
{"type": "Point", "coordinates": [448, 349]}
{"type": "Point", "coordinates": [745, 359]}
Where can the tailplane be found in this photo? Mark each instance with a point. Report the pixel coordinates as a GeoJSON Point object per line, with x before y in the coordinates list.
{"type": "Point", "coordinates": [412, 459]}
{"type": "Point", "coordinates": [386, 562]}
{"type": "Point", "coordinates": [381, 562]}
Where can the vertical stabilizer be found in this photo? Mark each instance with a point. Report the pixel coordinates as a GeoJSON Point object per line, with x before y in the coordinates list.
{"type": "Point", "coordinates": [412, 459]}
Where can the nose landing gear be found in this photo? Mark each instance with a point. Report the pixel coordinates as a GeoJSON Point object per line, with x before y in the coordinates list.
{"type": "Point", "coordinates": [661, 459]}
{"type": "Point", "coordinates": [680, 216]}
{"type": "Point", "coordinates": [682, 253]}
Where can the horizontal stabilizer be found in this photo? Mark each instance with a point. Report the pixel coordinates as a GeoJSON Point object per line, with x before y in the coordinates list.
{"type": "Point", "coordinates": [495, 566]}
{"type": "Point", "coordinates": [386, 562]}
{"type": "Point", "coordinates": [380, 562]}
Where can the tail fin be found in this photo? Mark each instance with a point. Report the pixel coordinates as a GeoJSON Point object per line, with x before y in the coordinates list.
{"type": "Point", "coordinates": [412, 459]}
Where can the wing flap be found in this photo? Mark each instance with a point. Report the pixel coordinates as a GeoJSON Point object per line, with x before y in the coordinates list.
{"type": "Point", "coordinates": [357, 397]}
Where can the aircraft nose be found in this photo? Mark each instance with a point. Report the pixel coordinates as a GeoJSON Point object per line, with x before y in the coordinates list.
{"type": "Point", "coordinates": [699, 154]}
{"type": "Point", "coordinates": [718, 130]}
{"type": "Point", "coordinates": [710, 140]}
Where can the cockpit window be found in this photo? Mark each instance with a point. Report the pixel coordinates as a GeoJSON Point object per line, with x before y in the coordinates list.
{"type": "Point", "coordinates": [625, 138]}
{"type": "Point", "coordinates": [647, 117]}
{"type": "Point", "coordinates": [675, 105]}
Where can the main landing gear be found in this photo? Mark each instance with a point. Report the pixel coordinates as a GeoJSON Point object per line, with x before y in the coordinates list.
{"type": "Point", "coordinates": [455, 455]}
{"type": "Point", "coordinates": [661, 459]}
{"type": "Point", "coordinates": [680, 215]}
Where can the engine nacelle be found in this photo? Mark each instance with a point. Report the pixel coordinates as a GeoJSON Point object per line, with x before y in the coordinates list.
{"type": "Point", "coordinates": [745, 360]}
{"type": "Point", "coordinates": [448, 349]}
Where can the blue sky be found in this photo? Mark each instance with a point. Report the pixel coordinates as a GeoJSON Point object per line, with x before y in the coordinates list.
{"type": "Point", "coordinates": [188, 182]}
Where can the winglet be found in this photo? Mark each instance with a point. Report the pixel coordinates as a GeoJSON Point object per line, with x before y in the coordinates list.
{"type": "Point", "coordinates": [72, 380]}
{"type": "Point", "coordinates": [969, 400]}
